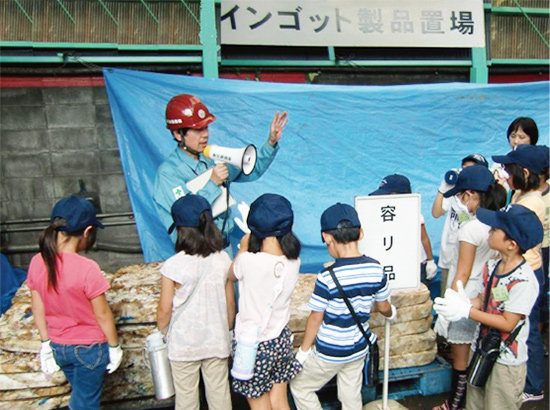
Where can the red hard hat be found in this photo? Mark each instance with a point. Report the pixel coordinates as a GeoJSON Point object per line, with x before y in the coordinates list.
{"type": "Point", "coordinates": [187, 111]}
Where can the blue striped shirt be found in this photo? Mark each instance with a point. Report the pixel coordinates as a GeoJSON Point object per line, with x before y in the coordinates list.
{"type": "Point", "coordinates": [339, 340]}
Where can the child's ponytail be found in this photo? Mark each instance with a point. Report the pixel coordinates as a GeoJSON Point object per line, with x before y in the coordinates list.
{"type": "Point", "coordinates": [494, 198]}
{"type": "Point", "coordinates": [48, 249]}
{"type": "Point", "coordinates": [212, 236]}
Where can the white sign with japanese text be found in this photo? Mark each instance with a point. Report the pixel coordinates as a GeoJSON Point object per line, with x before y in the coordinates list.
{"type": "Point", "coordinates": [358, 23]}
{"type": "Point", "coordinates": [391, 224]}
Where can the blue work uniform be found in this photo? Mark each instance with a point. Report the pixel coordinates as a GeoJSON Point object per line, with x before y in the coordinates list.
{"type": "Point", "coordinates": [180, 168]}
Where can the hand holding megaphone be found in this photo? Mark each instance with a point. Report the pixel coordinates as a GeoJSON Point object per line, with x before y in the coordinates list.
{"type": "Point", "coordinates": [243, 158]}
{"type": "Point", "coordinates": [220, 173]}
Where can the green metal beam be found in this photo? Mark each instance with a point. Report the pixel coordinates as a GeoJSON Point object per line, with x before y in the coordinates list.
{"type": "Point", "coordinates": [108, 12]}
{"type": "Point", "coordinates": [190, 12]}
{"type": "Point", "coordinates": [115, 46]}
{"type": "Point", "coordinates": [100, 59]}
{"type": "Point", "coordinates": [347, 63]}
{"type": "Point", "coordinates": [66, 11]}
{"type": "Point", "coordinates": [519, 61]}
{"type": "Point", "coordinates": [479, 73]}
{"type": "Point", "coordinates": [209, 39]}
{"type": "Point", "coordinates": [24, 11]}
{"type": "Point", "coordinates": [149, 11]}
{"type": "Point", "coordinates": [517, 10]}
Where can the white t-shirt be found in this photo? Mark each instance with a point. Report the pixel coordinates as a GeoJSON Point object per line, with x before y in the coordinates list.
{"type": "Point", "coordinates": [201, 331]}
{"type": "Point", "coordinates": [449, 235]}
{"type": "Point", "coordinates": [475, 233]}
{"type": "Point", "coordinates": [259, 274]}
{"type": "Point", "coordinates": [522, 289]}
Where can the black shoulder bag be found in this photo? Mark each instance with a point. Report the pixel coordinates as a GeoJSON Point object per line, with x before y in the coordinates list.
{"type": "Point", "coordinates": [370, 370]}
{"type": "Point", "coordinates": [488, 347]}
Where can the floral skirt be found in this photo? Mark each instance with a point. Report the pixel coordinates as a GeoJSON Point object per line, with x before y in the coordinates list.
{"type": "Point", "coordinates": [275, 363]}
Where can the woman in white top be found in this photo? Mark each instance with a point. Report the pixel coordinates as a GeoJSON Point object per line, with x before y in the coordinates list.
{"type": "Point", "coordinates": [475, 188]}
{"type": "Point", "coordinates": [195, 280]}
{"type": "Point", "coordinates": [267, 268]}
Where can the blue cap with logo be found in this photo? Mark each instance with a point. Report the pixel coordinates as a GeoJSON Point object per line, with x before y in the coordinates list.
{"type": "Point", "coordinates": [337, 213]}
{"type": "Point", "coordinates": [186, 211]}
{"type": "Point", "coordinates": [475, 178]}
{"type": "Point", "coordinates": [519, 223]}
{"type": "Point", "coordinates": [528, 156]}
{"type": "Point", "coordinates": [270, 215]}
{"type": "Point", "coordinates": [393, 184]}
{"type": "Point", "coordinates": [477, 158]}
{"type": "Point", "coordinates": [77, 211]}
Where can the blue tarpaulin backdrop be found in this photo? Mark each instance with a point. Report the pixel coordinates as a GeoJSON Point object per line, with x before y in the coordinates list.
{"type": "Point", "coordinates": [340, 141]}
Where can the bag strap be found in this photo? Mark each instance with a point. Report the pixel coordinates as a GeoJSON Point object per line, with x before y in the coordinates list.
{"type": "Point", "coordinates": [180, 309]}
{"type": "Point", "coordinates": [512, 336]}
{"type": "Point", "coordinates": [350, 307]}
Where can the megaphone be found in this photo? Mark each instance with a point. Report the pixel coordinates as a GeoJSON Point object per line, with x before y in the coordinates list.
{"type": "Point", "coordinates": [243, 158]}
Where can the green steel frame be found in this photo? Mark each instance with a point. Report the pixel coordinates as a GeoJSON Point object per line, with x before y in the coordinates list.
{"type": "Point", "coordinates": [211, 60]}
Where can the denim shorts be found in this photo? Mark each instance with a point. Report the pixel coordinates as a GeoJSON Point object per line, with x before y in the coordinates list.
{"type": "Point", "coordinates": [84, 367]}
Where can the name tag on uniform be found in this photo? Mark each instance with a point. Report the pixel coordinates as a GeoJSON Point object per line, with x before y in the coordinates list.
{"type": "Point", "coordinates": [500, 293]}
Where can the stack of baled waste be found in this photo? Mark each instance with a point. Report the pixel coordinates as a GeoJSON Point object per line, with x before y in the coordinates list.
{"type": "Point", "coordinates": [412, 340]}
{"type": "Point", "coordinates": [133, 298]}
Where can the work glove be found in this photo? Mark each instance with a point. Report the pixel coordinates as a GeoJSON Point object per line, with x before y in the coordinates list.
{"type": "Point", "coordinates": [455, 305]}
{"type": "Point", "coordinates": [47, 361]}
{"type": "Point", "coordinates": [301, 356]}
{"type": "Point", "coordinates": [431, 269]}
{"type": "Point", "coordinates": [115, 358]}
{"type": "Point", "coordinates": [244, 209]}
{"type": "Point", "coordinates": [393, 316]}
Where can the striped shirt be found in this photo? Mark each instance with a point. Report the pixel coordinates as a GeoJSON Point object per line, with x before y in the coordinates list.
{"type": "Point", "coordinates": [339, 340]}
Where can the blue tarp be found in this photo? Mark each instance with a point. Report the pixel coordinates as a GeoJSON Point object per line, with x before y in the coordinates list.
{"type": "Point", "coordinates": [340, 141]}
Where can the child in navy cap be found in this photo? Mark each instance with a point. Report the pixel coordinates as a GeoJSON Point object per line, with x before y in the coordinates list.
{"type": "Point", "coordinates": [333, 345]}
{"type": "Point", "coordinates": [504, 301]}
{"type": "Point", "coordinates": [524, 166]}
{"type": "Point", "coordinates": [266, 268]}
{"type": "Point", "coordinates": [400, 184]}
{"type": "Point", "coordinates": [193, 286]}
{"type": "Point", "coordinates": [71, 312]}
{"type": "Point", "coordinates": [448, 206]}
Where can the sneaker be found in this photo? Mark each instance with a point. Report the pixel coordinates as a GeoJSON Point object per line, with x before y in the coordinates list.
{"type": "Point", "coordinates": [532, 397]}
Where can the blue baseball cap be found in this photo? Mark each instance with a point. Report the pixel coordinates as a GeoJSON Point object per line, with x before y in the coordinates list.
{"type": "Point", "coordinates": [544, 152]}
{"type": "Point", "coordinates": [477, 158]}
{"type": "Point", "coordinates": [270, 215]}
{"type": "Point", "coordinates": [186, 211]}
{"type": "Point", "coordinates": [393, 184]}
{"type": "Point", "coordinates": [77, 211]}
{"type": "Point", "coordinates": [475, 178]}
{"type": "Point", "coordinates": [337, 213]}
{"type": "Point", "coordinates": [519, 223]}
{"type": "Point", "coordinates": [528, 156]}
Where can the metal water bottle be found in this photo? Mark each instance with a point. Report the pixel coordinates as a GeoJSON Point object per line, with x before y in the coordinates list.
{"type": "Point", "coordinates": [244, 359]}
{"type": "Point", "coordinates": [160, 366]}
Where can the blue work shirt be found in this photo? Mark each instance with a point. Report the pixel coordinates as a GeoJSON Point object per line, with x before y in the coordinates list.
{"type": "Point", "coordinates": [180, 168]}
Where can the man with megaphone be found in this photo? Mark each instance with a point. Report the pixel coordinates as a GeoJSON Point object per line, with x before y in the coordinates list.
{"type": "Point", "coordinates": [207, 170]}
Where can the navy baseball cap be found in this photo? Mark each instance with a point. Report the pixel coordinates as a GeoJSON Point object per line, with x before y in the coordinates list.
{"type": "Point", "coordinates": [544, 152]}
{"type": "Point", "coordinates": [270, 215]}
{"type": "Point", "coordinates": [528, 156]}
{"type": "Point", "coordinates": [337, 213]}
{"type": "Point", "coordinates": [77, 211]}
{"type": "Point", "coordinates": [477, 158]}
{"type": "Point", "coordinates": [186, 211]}
{"type": "Point", "coordinates": [475, 178]}
{"type": "Point", "coordinates": [393, 184]}
{"type": "Point", "coordinates": [519, 223]}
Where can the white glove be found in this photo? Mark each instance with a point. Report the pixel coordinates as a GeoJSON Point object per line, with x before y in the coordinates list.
{"type": "Point", "coordinates": [115, 358]}
{"type": "Point", "coordinates": [301, 356]}
{"type": "Point", "coordinates": [455, 305]}
{"type": "Point", "coordinates": [431, 269]}
{"type": "Point", "coordinates": [393, 314]}
{"type": "Point", "coordinates": [47, 361]}
{"type": "Point", "coordinates": [444, 186]}
{"type": "Point", "coordinates": [441, 326]}
{"type": "Point", "coordinates": [244, 209]}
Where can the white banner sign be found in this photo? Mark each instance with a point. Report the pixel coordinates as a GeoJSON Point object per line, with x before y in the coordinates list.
{"type": "Point", "coordinates": [391, 224]}
{"type": "Point", "coordinates": [359, 23]}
